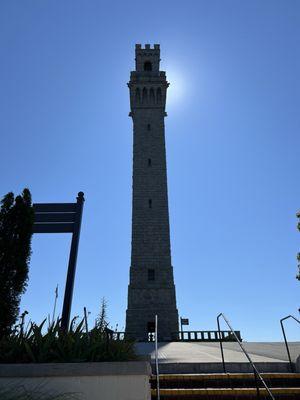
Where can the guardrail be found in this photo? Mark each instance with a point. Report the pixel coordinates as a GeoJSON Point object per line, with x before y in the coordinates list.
{"type": "Point", "coordinates": [205, 336]}
{"type": "Point", "coordinates": [255, 371]}
{"type": "Point", "coordinates": [186, 336]}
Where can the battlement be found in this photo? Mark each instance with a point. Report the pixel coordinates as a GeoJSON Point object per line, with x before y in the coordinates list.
{"type": "Point", "coordinates": [147, 58]}
{"type": "Point", "coordinates": [147, 47]}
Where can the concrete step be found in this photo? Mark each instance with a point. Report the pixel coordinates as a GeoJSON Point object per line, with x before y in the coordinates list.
{"type": "Point", "coordinates": [221, 380]}
{"type": "Point", "coordinates": [216, 367]}
{"type": "Point", "coordinates": [279, 393]}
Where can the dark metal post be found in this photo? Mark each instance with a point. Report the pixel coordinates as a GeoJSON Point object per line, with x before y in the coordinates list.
{"type": "Point", "coordinates": [181, 328]}
{"type": "Point", "coordinates": [256, 383]}
{"type": "Point", "coordinates": [285, 340]}
{"type": "Point", "coordinates": [221, 345]}
{"type": "Point", "coordinates": [286, 344]}
{"type": "Point", "coordinates": [181, 333]}
{"type": "Point", "coordinates": [72, 265]}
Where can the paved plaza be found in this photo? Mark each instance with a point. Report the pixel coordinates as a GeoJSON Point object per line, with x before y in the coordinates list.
{"type": "Point", "coordinates": [199, 352]}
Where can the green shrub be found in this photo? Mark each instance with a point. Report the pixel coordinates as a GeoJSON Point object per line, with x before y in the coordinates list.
{"type": "Point", "coordinates": [34, 346]}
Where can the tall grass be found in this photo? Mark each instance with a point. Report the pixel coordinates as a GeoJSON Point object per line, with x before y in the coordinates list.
{"type": "Point", "coordinates": [54, 345]}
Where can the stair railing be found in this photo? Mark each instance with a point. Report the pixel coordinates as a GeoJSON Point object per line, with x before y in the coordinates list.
{"type": "Point", "coordinates": [156, 360]}
{"type": "Point", "coordinates": [285, 340]}
{"type": "Point", "coordinates": [257, 375]}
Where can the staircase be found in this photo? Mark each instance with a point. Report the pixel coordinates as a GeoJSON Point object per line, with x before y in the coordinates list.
{"type": "Point", "coordinates": [226, 386]}
{"type": "Point", "coordinates": [268, 378]}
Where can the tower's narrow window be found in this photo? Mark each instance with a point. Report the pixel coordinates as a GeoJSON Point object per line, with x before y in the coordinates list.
{"type": "Point", "coordinates": [137, 96]}
{"type": "Point", "coordinates": [148, 127]}
{"type": "Point", "coordinates": [152, 96]}
{"type": "Point", "coordinates": [145, 96]}
{"type": "Point", "coordinates": [149, 162]}
{"type": "Point", "coordinates": [151, 275]}
{"type": "Point", "coordinates": [158, 96]}
{"type": "Point", "coordinates": [150, 203]}
{"type": "Point", "coordinates": [147, 66]}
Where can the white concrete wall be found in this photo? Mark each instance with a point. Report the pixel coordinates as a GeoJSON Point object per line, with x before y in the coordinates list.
{"type": "Point", "coordinates": [130, 381]}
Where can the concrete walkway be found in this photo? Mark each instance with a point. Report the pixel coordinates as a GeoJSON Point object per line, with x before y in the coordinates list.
{"type": "Point", "coordinates": [200, 352]}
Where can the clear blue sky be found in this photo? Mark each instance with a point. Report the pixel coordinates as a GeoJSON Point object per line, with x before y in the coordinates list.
{"type": "Point", "coordinates": [233, 145]}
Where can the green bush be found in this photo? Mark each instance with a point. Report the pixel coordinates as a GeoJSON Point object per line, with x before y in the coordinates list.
{"type": "Point", "coordinates": [54, 345]}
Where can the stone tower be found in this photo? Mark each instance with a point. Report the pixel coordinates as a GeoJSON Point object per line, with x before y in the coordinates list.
{"type": "Point", "coordinates": [151, 289]}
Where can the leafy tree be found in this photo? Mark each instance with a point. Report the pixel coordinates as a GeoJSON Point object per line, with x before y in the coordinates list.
{"type": "Point", "coordinates": [16, 222]}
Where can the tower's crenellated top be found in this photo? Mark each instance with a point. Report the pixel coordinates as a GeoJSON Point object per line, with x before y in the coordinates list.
{"type": "Point", "coordinates": [147, 46]}
{"type": "Point", "coordinates": [147, 85]}
{"type": "Point", "coordinates": [147, 59]}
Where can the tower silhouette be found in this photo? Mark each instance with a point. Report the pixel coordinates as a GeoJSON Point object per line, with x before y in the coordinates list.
{"type": "Point", "coordinates": [151, 288]}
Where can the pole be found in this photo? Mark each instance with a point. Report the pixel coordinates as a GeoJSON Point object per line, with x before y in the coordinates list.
{"type": "Point", "coordinates": [285, 339]}
{"type": "Point", "coordinates": [65, 320]}
{"type": "Point", "coordinates": [156, 360]}
{"type": "Point", "coordinates": [256, 384]}
{"type": "Point", "coordinates": [221, 345]}
{"type": "Point", "coordinates": [181, 334]}
{"type": "Point", "coordinates": [286, 344]}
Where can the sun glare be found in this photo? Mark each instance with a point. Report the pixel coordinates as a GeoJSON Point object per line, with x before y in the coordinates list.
{"type": "Point", "coordinates": [177, 88]}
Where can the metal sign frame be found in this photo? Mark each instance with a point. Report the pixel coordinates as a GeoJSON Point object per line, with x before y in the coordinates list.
{"type": "Point", "coordinates": [62, 218]}
{"type": "Point", "coordinates": [183, 321]}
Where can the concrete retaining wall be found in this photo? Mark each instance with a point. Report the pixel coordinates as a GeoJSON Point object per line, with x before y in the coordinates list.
{"type": "Point", "coordinates": [87, 381]}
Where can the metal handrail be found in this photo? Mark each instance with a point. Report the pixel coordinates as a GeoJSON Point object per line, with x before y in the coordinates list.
{"type": "Point", "coordinates": [256, 373]}
{"type": "Point", "coordinates": [286, 343]}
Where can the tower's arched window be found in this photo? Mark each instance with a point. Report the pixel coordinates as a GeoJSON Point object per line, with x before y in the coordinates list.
{"type": "Point", "coordinates": [152, 96]}
{"type": "Point", "coordinates": [147, 66]}
{"type": "Point", "coordinates": [137, 96]}
{"type": "Point", "coordinates": [158, 96]}
{"type": "Point", "coordinates": [151, 274]}
{"type": "Point", "coordinates": [145, 96]}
